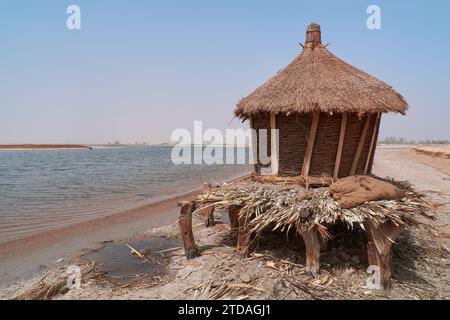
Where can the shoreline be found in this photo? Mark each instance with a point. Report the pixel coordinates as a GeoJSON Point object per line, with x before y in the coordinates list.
{"type": "Point", "coordinates": [22, 147]}
{"type": "Point", "coordinates": [22, 258]}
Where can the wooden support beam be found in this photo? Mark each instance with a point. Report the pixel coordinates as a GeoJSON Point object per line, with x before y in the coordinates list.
{"type": "Point", "coordinates": [380, 240]}
{"type": "Point", "coordinates": [233, 214]}
{"type": "Point", "coordinates": [372, 153]}
{"type": "Point", "coordinates": [187, 236]}
{"type": "Point", "coordinates": [312, 247]}
{"type": "Point", "coordinates": [361, 142]}
{"type": "Point", "coordinates": [340, 145]}
{"type": "Point", "coordinates": [310, 147]}
{"type": "Point", "coordinates": [274, 141]}
{"type": "Point", "coordinates": [372, 144]}
{"type": "Point", "coordinates": [244, 238]}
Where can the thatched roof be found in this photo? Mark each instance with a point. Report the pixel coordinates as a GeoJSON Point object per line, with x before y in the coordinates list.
{"type": "Point", "coordinates": [317, 80]}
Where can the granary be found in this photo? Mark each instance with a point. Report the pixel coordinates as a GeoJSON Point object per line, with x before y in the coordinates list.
{"type": "Point", "coordinates": [328, 114]}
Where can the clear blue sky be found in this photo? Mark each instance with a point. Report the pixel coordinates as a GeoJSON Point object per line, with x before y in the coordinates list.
{"type": "Point", "coordinates": [139, 69]}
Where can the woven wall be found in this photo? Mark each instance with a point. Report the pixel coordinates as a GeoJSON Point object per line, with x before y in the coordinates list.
{"type": "Point", "coordinates": [352, 135]}
{"type": "Point", "coordinates": [293, 131]}
{"type": "Point", "coordinates": [372, 156]}
{"type": "Point", "coordinates": [326, 145]}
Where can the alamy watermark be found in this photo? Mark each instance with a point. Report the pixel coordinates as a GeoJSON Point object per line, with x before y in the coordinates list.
{"type": "Point", "coordinates": [74, 277]}
{"type": "Point", "coordinates": [374, 20]}
{"type": "Point", "coordinates": [213, 146]}
{"type": "Point", "coordinates": [374, 280]}
{"type": "Point", "coordinates": [73, 21]}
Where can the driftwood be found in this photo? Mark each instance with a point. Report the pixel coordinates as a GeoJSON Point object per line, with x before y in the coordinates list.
{"type": "Point", "coordinates": [233, 214]}
{"type": "Point", "coordinates": [312, 247]}
{"type": "Point", "coordinates": [185, 223]}
{"type": "Point", "coordinates": [380, 240]}
{"type": "Point", "coordinates": [278, 180]}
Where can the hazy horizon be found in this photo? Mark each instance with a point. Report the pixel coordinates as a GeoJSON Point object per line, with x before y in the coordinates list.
{"type": "Point", "coordinates": [138, 70]}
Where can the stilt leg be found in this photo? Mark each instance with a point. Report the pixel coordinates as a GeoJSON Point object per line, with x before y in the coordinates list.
{"type": "Point", "coordinates": [208, 209]}
{"type": "Point", "coordinates": [312, 246]}
{"type": "Point", "coordinates": [208, 214]}
{"type": "Point", "coordinates": [379, 249]}
{"type": "Point", "coordinates": [185, 223]}
{"type": "Point", "coordinates": [244, 238]}
{"type": "Point", "coordinates": [233, 214]}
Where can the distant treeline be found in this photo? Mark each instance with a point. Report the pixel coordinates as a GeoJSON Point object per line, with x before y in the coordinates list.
{"type": "Point", "coordinates": [394, 140]}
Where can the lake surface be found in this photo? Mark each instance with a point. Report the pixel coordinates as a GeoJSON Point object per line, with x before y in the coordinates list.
{"type": "Point", "coordinates": [46, 189]}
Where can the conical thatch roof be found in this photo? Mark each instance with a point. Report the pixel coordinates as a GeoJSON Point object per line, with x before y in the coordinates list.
{"type": "Point", "coordinates": [317, 80]}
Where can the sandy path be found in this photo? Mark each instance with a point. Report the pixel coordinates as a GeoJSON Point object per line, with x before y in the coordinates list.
{"type": "Point", "coordinates": [428, 175]}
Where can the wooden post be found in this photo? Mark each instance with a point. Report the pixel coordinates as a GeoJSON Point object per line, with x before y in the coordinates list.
{"type": "Point", "coordinates": [312, 246]}
{"type": "Point", "coordinates": [274, 143]}
{"type": "Point", "coordinates": [372, 143]}
{"type": "Point", "coordinates": [340, 145]}
{"type": "Point", "coordinates": [362, 139]}
{"type": "Point", "coordinates": [185, 223]}
{"type": "Point", "coordinates": [310, 147]}
{"type": "Point", "coordinates": [379, 248]}
{"type": "Point", "coordinates": [233, 214]}
{"type": "Point", "coordinates": [244, 238]}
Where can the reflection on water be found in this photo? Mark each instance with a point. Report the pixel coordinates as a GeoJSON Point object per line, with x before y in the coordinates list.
{"type": "Point", "coordinates": [40, 190]}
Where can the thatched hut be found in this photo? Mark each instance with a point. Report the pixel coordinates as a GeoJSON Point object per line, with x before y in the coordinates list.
{"type": "Point", "coordinates": [328, 114]}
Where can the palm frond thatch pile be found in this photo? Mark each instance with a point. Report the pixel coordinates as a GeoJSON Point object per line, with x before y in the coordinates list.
{"type": "Point", "coordinates": [268, 206]}
{"type": "Point", "coordinates": [211, 290]}
{"type": "Point", "coordinates": [55, 284]}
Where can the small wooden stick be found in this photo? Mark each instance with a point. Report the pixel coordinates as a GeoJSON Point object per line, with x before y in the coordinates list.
{"type": "Point", "coordinates": [185, 223]}
{"type": "Point", "coordinates": [244, 238]}
{"type": "Point", "coordinates": [138, 253]}
{"type": "Point", "coordinates": [312, 246]}
{"type": "Point", "coordinates": [233, 214]}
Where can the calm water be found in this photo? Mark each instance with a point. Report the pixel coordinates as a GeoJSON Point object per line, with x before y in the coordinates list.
{"type": "Point", "coordinates": [41, 190]}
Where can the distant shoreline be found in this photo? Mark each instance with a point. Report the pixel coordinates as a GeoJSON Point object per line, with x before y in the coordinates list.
{"type": "Point", "coordinates": [42, 146]}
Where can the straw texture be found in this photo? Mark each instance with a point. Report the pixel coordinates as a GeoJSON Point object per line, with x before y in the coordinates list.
{"type": "Point", "coordinates": [317, 80]}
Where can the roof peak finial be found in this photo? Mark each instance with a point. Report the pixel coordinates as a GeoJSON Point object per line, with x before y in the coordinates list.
{"type": "Point", "coordinates": [313, 35]}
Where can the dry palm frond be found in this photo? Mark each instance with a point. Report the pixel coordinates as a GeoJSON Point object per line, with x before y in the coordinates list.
{"type": "Point", "coordinates": [268, 206]}
{"type": "Point", "coordinates": [54, 284]}
{"type": "Point", "coordinates": [210, 290]}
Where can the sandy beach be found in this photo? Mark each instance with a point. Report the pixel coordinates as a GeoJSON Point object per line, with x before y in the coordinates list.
{"type": "Point", "coordinates": [22, 260]}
